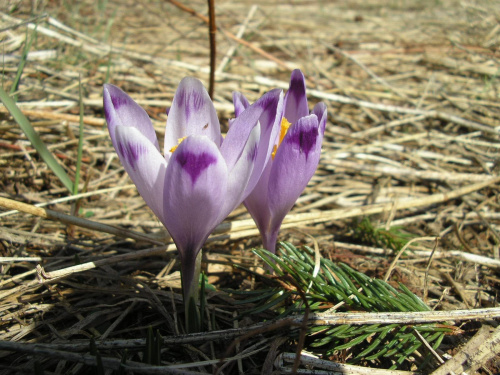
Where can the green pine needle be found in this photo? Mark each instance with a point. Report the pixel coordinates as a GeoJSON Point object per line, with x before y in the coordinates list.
{"type": "Point", "coordinates": [394, 238]}
{"type": "Point", "coordinates": [335, 283]}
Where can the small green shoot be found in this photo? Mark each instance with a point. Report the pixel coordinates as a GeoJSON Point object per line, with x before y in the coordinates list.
{"type": "Point", "coordinates": [203, 300]}
{"type": "Point", "coordinates": [109, 25]}
{"type": "Point", "coordinates": [395, 238]}
{"type": "Point", "coordinates": [35, 139]}
{"type": "Point", "coordinates": [80, 141]}
{"type": "Point", "coordinates": [108, 69]}
{"type": "Point", "coordinates": [22, 63]}
{"type": "Point", "coordinates": [93, 351]}
{"type": "Point", "coordinates": [152, 351]}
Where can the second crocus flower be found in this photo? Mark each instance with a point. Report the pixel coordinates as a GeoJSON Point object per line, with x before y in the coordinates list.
{"type": "Point", "coordinates": [294, 160]}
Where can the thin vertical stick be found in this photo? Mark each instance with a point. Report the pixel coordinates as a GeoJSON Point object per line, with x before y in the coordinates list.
{"type": "Point", "coordinates": [80, 140]}
{"type": "Point", "coordinates": [212, 30]}
{"type": "Point", "coordinates": [256, 49]}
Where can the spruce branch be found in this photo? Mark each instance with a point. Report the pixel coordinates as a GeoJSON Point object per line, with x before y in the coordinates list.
{"type": "Point", "coordinates": [339, 288]}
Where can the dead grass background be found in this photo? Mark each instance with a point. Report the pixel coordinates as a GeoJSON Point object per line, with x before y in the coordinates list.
{"type": "Point", "coordinates": [412, 143]}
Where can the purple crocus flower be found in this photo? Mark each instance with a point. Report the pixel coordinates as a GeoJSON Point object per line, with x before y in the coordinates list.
{"type": "Point", "coordinates": [294, 161]}
{"type": "Point", "coordinates": [201, 177]}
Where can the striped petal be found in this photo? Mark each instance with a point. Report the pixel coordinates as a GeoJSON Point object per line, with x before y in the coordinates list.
{"type": "Point", "coordinates": [267, 111]}
{"type": "Point", "coordinates": [240, 103]}
{"type": "Point", "coordinates": [257, 202]}
{"type": "Point", "coordinates": [241, 173]}
{"type": "Point", "coordinates": [295, 163]}
{"type": "Point", "coordinates": [194, 192]}
{"type": "Point", "coordinates": [145, 166]}
{"type": "Point", "coordinates": [321, 112]}
{"type": "Point", "coordinates": [192, 113]}
{"type": "Point", "coordinates": [295, 98]}
{"type": "Point", "coordinates": [122, 111]}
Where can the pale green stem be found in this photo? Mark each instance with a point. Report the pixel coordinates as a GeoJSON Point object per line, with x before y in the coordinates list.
{"type": "Point", "coordinates": [190, 276]}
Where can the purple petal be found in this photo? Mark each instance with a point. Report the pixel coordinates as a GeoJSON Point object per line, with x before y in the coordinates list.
{"type": "Point", "coordinates": [295, 98]}
{"type": "Point", "coordinates": [192, 113]}
{"type": "Point", "coordinates": [293, 166]}
{"type": "Point", "coordinates": [195, 190]}
{"type": "Point", "coordinates": [240, 103]}
{"type": "Point", "coordinates": [144, 164]}
{"type": "Point", "coordinates": [122, 111]}
{"type": "Point", "coordinates": [267, 111]}
{"type": "Point", "coordinates": [240, 174]}
{"type": "Point", "coordinates": [195, 164]}
{"type": "Point", "coordinates": [257, 202]}
{"type": "Point", "coordinates": [321, 112]}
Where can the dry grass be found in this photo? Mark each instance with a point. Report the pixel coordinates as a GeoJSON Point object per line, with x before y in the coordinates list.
{"type": "Point", "coordinates": [412, 143]}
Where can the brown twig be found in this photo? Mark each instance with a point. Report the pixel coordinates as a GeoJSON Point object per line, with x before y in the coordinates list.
{"type": "Point", "coordinates": [254, 48]}
{"type": "Point", "coordinates": [213, 47]}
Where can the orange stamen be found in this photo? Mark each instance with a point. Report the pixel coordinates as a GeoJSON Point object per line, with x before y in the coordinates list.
{"type": "Point", "coordinates": [179, 141]}
{"type": "Point", "coordinates": [284, 129]}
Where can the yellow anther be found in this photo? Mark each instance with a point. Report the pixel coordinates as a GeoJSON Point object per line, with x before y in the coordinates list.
{"type": "Point", "coordinates": [284, 129]}
{"type": "Point", "coordinates": [273, 154]}
{"type": "Point", "coordinates": [179, 141]}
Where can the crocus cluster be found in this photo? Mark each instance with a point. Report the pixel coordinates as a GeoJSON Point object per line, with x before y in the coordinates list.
{"type": "Point", "coordinates": [201, 176]}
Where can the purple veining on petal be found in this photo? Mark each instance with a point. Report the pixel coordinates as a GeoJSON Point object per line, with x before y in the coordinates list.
{"type": "Point", "coordinates": [197, 100]}
{"type": "Point", "coordinates": [321, 113]}
{"type": "Point", "coordinates": [240, 103]}
{"type": "Point", "coordinates": [180, 96]}
{"type": "Point", "coordinates": [295, 98]}
{"type": "Point", "coordinates": [297, 87]}
{"type": "Point", "coordinates": [131, 152]}
{"type": "Point", "coordinates": [107, 114]}
{"type": "Point", "coordinates": [194, 164]}
{"type": "Point", "coordinates": [266, 101]}
{"type": "Point", "coordinates": [305, 140]}
{"type": "Point", "coordinates": [191, 101]}
{"type": "Point", "coordinates": [118, 101]}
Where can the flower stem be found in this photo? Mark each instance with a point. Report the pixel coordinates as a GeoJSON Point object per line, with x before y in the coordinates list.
{"type": "Point", "coordinates": [190, 288]}
{"type": "Point", "coordinates": [269, 240]}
